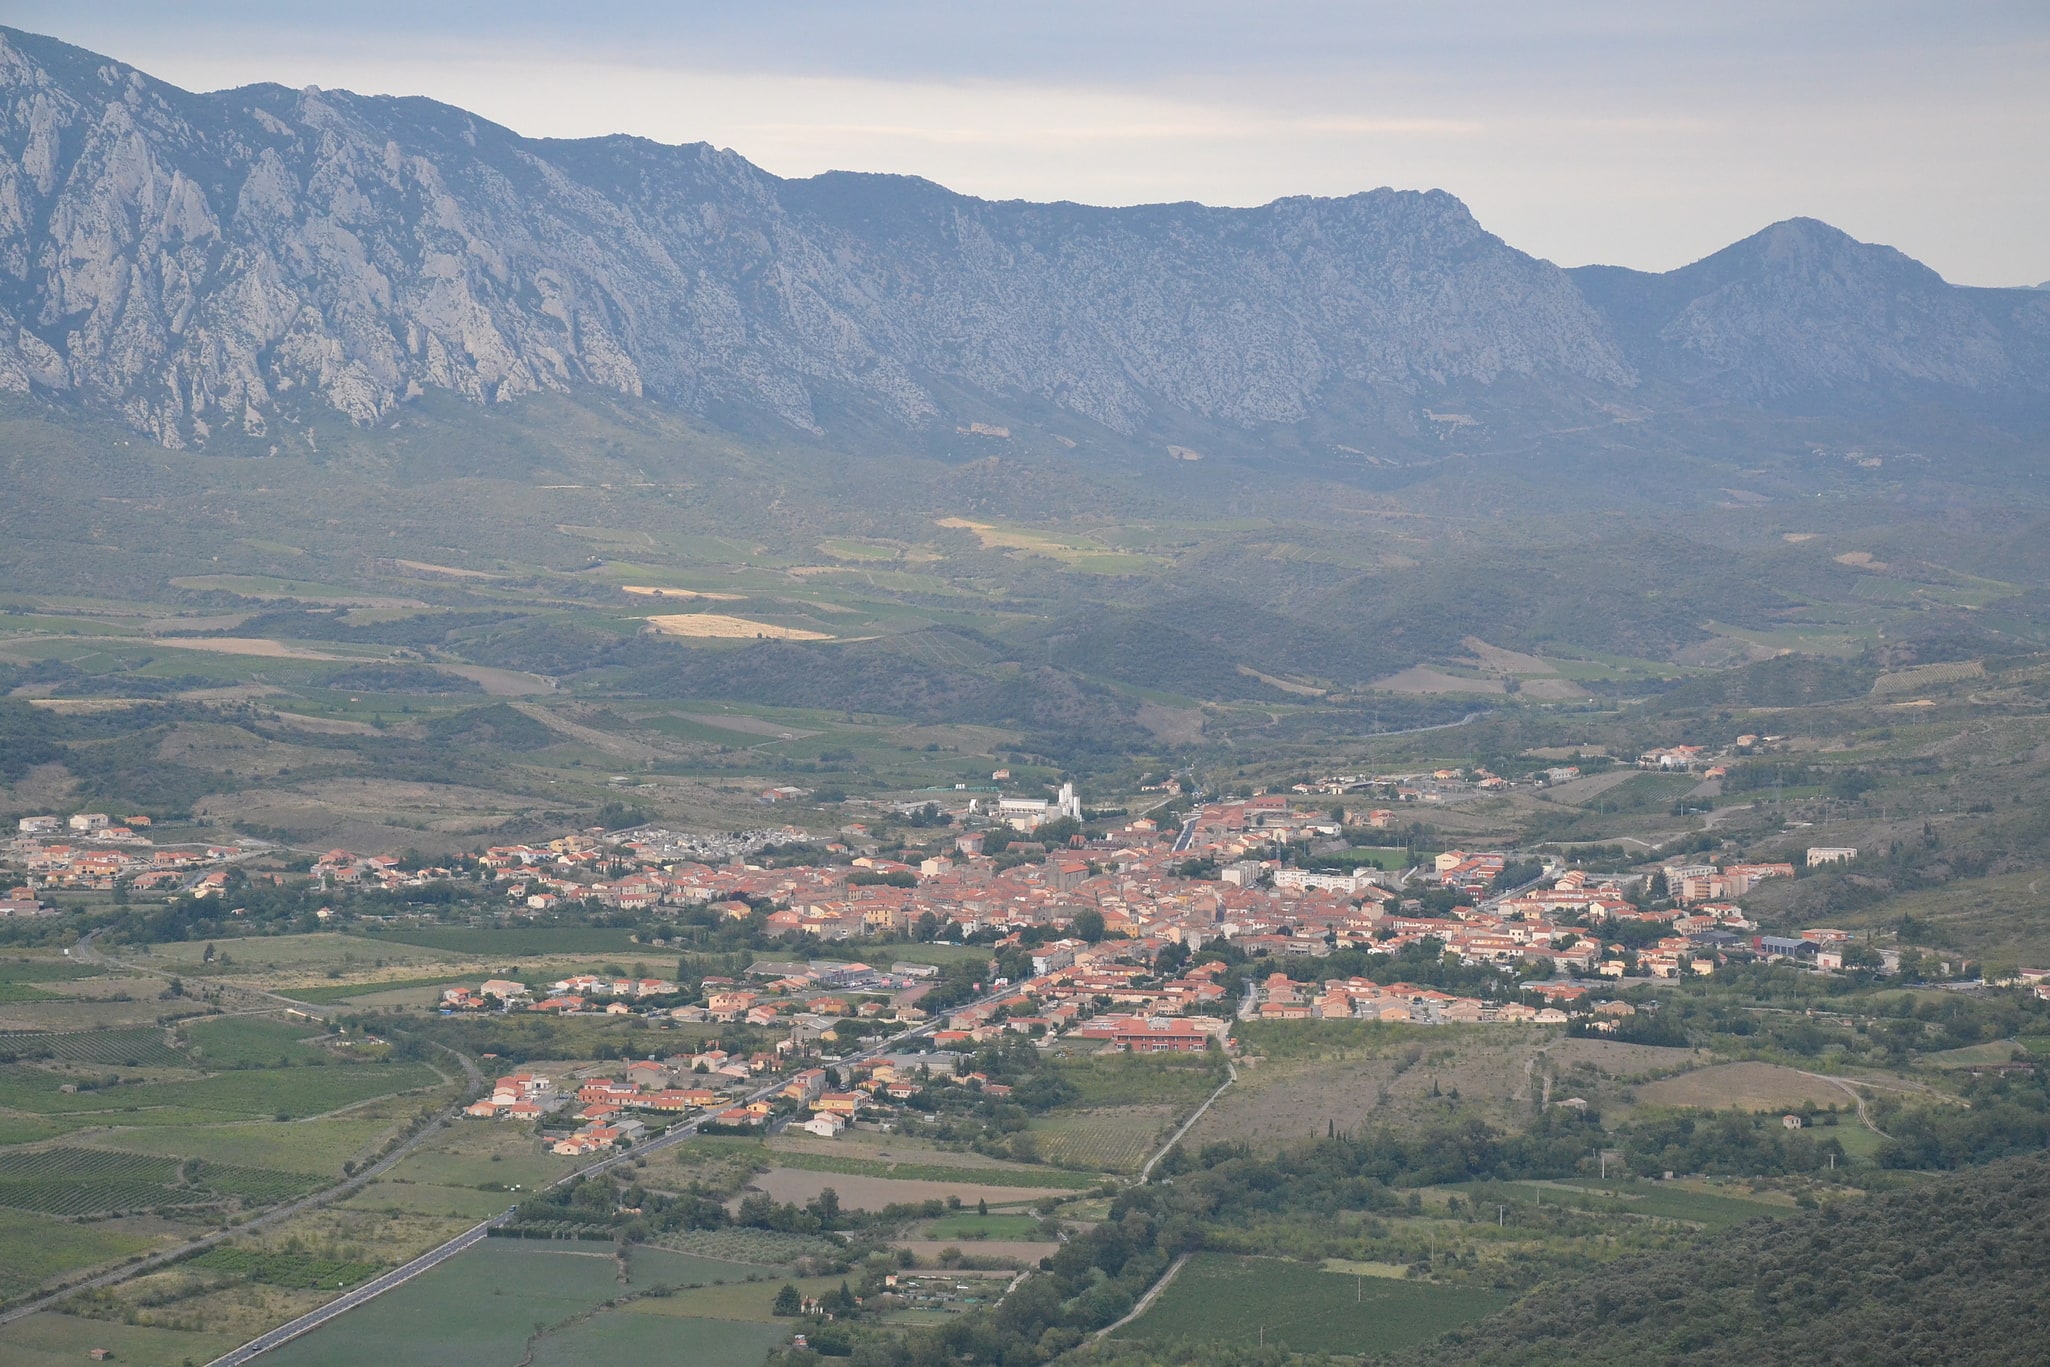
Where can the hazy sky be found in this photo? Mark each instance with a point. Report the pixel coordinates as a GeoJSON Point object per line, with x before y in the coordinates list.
{"type": "Point", "coordinates": [1639, 132]}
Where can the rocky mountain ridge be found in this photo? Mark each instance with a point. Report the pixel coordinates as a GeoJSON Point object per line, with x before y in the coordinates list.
{"type": "Point", "coordinates": [238, 263]}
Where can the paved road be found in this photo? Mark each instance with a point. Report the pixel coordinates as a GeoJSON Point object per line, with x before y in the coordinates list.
{"type": "Point", "coordinates": [349, 1300]}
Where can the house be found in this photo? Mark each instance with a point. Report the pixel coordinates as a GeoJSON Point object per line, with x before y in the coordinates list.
{"type": "Point", "coordinates": [839, 1103]}
{"type": "Point", "coordinates": [826, 1125]}
{"type": "Point", "coordinates": [647, 1074]}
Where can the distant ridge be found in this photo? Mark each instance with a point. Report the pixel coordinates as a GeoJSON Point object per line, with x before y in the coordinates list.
{"type": "Point", "coordinates": [225, 268]}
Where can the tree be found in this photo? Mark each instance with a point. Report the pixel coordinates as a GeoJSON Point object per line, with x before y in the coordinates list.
{"type": "Point", "coordinates": [1089, 924]}
{"type": "Point", "coordinates": [787, 1302]}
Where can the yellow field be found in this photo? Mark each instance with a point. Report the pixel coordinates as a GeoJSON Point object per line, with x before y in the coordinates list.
{"type": "Point", "coordinates": [719, 626]}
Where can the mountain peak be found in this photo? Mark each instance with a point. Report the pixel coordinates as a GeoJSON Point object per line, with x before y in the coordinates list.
{"type": "Point", "coordinates": [215, 268]}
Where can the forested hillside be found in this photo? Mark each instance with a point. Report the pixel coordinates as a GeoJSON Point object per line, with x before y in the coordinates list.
{"type": "Point", "coordinates": [1951, 1271]}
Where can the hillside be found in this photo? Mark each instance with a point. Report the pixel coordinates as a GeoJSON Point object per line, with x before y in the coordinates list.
{"type": "Point", "coordinates": [1950, 1271]}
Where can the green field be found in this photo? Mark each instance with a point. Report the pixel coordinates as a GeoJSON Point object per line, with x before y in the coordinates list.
{"type": "Point", "coordinates": [627, 1336]}
{"type": "Point", "coordinates": [1136, 1080]}
{"type": "Point", "coordinates": [477, 1310]}
{"type": "Point", "coordinates": [293, 1092]}
{"type": "Point", "coordinates": [297, 1271]}
{"type": "Point", "coordinates": [251, 1042]}
{"type": "Point", "coordinates": [309, 1146]}
{"type": "Point", "coordinates": [79, 1181]}
{"type": "Point", "coordinates": [26, 969]}
{"type": "Point", "coordinates": [1224, 1299]}
{"type": "Point", "coordinates": [739, 1244]}
{"type": "Point", "coordinates": [327, 996]}
{"type": "Point", "coordinates": [966, 1224]}
{"type": "Point", "coordinates": [1667, 1201]}
{"type": "Point", "coordinates": [53, 1340]}
{"type": "Point", "coordinates": [415, 1198]}
{"type": "Point", "coordinates": [35, 1248]}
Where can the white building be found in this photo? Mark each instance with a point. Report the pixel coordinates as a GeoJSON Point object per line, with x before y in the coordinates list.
{"type": "Point", "coordinates": [1818, 855]}
{"type": "Point", "coordinates": [1303, 880]}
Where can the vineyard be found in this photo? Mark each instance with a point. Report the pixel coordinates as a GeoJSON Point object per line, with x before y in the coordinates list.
{"type": "Point", "coordinates": [1107, 1139]}
{"type": "Point", "coordinates": [135, 1048]}
{"type": "Point", "coordinates": [76, 1182]}
{"type": "Point", "coordinates": [241, 1094]}
{"type": "Point", "coordinates": [293, 1271]}
{"type": "Point", "coordinates": [739, 1245]}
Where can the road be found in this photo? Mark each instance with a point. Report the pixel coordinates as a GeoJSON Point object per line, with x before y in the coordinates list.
{"type": "Point", "coordinates": [676, 1134]}
{"type": "Point", "coordinates": [1231, 1076]}
{"type": "Point", "coordinates": [1146, 1301]}
{"type": "Point", "coordinates": [349, 1300]}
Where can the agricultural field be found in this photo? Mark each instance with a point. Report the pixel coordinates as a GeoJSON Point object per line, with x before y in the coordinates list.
{"type": "Point", "coordinates": [45, 969]}
{"type": "Point", "coordinates": [934, 1169]}
{"type": "Point", "coordinates": [1689, 1202]}
{"type": "Point", "coordinates": [1223, 1299]}
{"type": "Point", "coordinates": [1106, 1139]}
{"type": "Point", "coordinates": [53, 1340]}
{"type": "Point", "coordinates": [642, 1332]}
{"type": "Point", "coordinates": [380, 992]}
{"type": "Point", "coordinates": [1297, 1083]}
{"type": "Point", "coordinates": [134, 1048]}
{"type": "Point", "coordinates": [296, 1271]}
{"type": "Point", "coordinates": [35, 1248]}
{"type": "Point", "coordinates": [413, 1198]}
{"type": "Point", "coordinates": [480, 1309]}
{"type": "Point", "coordinates": [79, 1181]}
{"type": "Point", "coordinates": [478, 1154]}
{"type": "Point", "coordinates": [1746, 1087]}
{"type": "Point", "coordinates": [873, 1193]}
{"type": "Point", "coordinates": [967, 1224]}
{"type": "Point", "coordinates": [312, 953]}
{"type": "Point", "coordinates": [739, 1244]}
{"type": "Point", "coordinates": [288, 1093]}
{"type": "Point", "coordinates": [1139, 1080]}
{"type": "Point", "coordinates": [318, 1147]}
{"type": "Point", "coordinates": [486, 941]}
{"type": "Point", "coordinates": [252, 1042]}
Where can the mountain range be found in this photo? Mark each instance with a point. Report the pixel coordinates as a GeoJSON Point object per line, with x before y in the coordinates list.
{"type": "Point", "coordinates": [225, 269]}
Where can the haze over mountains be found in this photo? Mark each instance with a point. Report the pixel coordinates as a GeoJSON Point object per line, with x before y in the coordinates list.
{"type": "Point", "coordinates": [219, 269]}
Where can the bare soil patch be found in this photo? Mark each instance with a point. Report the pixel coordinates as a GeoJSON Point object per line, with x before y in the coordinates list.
{"type": "Point", "coordinates": [720, 626]}
{"type": "Point", "coordinates": [655, 591]}
{"type": "Point", "coordinates": [244, 645]}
